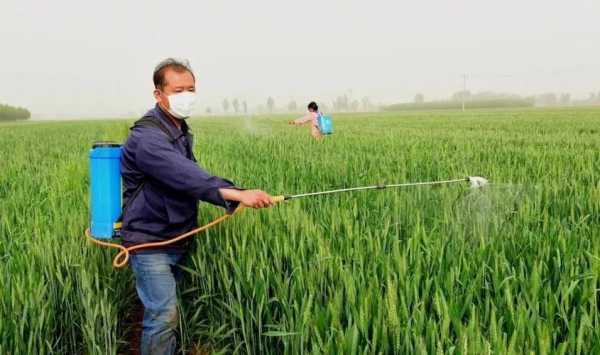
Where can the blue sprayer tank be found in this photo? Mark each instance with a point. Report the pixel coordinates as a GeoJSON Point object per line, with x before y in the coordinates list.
{"type": "Point", "coordinates": [105, 188]}
{"type": "Point", "coordinates": [325, 124]}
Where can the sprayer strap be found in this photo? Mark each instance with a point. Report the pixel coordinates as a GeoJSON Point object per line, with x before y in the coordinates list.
{"type": "Point", "coordinates": [150, 121]}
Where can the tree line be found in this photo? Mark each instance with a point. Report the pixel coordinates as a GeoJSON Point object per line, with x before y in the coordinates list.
{"type": "Point", "coordinates": [11, 113]}
{"type": "Point", "coordinates": [340, 104]}
{"type": "Point", "coordinates": [471, 100]}
{"type": "Point", "coordinates": [489, 99]}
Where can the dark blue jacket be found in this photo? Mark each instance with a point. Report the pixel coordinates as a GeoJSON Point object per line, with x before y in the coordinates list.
{"type": "Point", "coordinates": [166, 205]}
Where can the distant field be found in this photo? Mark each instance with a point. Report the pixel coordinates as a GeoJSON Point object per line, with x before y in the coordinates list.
{"type": "Point", "coordinates": [511, 269]}
{"type": "Point", "coordinates": [510, 103]}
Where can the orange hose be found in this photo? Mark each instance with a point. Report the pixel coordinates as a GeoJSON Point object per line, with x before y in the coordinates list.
{"type": "Point", "coordinates": [121, 259]}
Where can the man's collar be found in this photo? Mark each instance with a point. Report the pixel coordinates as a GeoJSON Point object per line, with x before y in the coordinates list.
{"type": "Point", "coordinates": [163, 116]}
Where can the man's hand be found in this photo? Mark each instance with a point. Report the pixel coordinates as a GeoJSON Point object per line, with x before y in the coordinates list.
{"type": "Point", "coordinates": [256, 199]}
{"type": "Point", "coordinates": [249, 198]}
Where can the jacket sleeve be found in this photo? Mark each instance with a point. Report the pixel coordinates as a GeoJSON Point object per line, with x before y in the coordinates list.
{"type": "Point", "coordinates": [158, 159]}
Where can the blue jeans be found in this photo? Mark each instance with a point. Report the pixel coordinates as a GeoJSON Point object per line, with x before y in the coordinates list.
{"type": "Point", "coordinates": [155, 278]}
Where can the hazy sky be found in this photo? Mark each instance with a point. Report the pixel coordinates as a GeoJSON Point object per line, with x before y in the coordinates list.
{"type": "Point", "coordinates": [95, 58]}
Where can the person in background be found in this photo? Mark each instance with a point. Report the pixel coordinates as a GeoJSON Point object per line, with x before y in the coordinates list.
{"type": "Point", "coordinates": [312, 118]}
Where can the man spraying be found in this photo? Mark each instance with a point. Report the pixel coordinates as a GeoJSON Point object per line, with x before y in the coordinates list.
{"type": "Point", "coordinates": [162, 188]}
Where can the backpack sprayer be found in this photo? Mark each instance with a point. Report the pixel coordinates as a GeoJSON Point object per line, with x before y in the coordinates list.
{"type": "Point", "coordinates": [325, 124]}
{"type": "Point", "coordinates": [105, 198]}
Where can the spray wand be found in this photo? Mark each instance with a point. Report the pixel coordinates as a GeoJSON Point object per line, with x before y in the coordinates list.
{"type": "Point", "coordinates": [122, 257]}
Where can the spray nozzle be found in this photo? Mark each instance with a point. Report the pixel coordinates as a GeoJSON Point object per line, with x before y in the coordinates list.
{"type": "Point", "coordinates": [477, 181]}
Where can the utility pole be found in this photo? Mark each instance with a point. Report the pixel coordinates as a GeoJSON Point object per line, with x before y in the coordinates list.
{"type": "Point", "coordinates": [464, 91]}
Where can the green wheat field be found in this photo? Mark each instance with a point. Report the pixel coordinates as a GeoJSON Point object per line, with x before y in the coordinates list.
{"type": "Point", "coordinates": [512, 268]}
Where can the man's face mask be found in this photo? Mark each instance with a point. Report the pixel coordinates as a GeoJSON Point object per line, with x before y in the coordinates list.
{"type": "Point", "coordinates": [181, 104]}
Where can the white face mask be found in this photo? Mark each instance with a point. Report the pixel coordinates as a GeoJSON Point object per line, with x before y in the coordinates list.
{"type": "Point", "coordinates": [181, 104]}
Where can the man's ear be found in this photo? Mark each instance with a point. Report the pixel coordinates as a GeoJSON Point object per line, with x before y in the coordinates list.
{"type": "Point", "coordinates": [157, 94]}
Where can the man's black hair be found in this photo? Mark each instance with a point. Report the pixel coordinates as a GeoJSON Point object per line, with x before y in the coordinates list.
{"type": "Point", "coordinates": [313, 106]}
{"type": "Point", "coordinates": [179, 65]}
